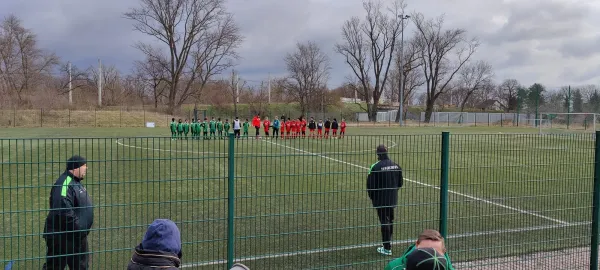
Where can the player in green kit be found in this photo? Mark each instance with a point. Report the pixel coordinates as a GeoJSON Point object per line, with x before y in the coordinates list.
{"type": "Point", "coordinates": [204, 127]}
{"type": "Point", "coordinates": [227, 126]}
{"type": "Point", "coordinates": [213, 127]}
{"type": "Point", "coordinates": [220, 128]}
{"type": "Point", "coordinates": [195, 129]}
{"type": "Point", "coordinates": [173, 129]}
{"type": "Point", "coordinates": [186, 128]}
{"type": "Point", "coordinates": [245, 126]}
{"type": "Point", "coordinates": [180, 129]}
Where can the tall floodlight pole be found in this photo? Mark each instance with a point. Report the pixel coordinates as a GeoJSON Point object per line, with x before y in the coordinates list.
{"type": "Point", "coordinates": [401, 94]}
{"type": "Point", "coordinates": [70, 86]}
{"type": "Point", "coordinates": [99, 82]}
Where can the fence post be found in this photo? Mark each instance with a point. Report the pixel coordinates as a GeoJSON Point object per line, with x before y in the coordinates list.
{"type": "Point", "coordinates": [120, 117]}
{"type": "Point", "coordinates": [95, 118]}
{"type": "Point", "coordinates": [596, 206]}
{"type": "Point", "coordinates": [41, 117]}
{"type": "Point", "coordinates": [69, 117]}
{"type": "Point", "coordinates": [15, 116]}
{"type": "Point", "coordinates": [230, 202]}
{"type": "Point", "coordinates": [444, 183]}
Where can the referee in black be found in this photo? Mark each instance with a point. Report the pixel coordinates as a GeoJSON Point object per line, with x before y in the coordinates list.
{"type": "Point", "coordinates": [70, 219]}
{"type": "Point", "coordinates": [383, 182]}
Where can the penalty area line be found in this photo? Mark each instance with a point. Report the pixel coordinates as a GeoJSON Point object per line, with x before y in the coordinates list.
{"type": "Point", "coordinates": [432, 186]}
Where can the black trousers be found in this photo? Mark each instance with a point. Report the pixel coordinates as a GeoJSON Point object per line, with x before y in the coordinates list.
{"type": "Point", "coordinates": [236, 132]}
{"type": "Point", "coordinates": [257, 131]}
{"type": "Point", "coordinates": [65, 250]}
{"type": "Point", "coordinates": [275, 132]}
{"type": "Point", "coordinates": [386, 218]}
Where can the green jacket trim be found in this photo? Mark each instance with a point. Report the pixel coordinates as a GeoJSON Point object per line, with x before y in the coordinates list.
{"type": "Point", "coordinates": [65, 186]}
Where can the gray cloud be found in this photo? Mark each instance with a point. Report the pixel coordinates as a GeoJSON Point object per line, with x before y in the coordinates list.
{"type": "Point", "coordinates": [532, 41]}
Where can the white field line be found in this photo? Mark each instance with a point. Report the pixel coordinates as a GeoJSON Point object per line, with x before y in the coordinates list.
{"type": "Point", "coordinates": [454, 236]}
{"type": "Point", "coordinates": [158, 149]}
{"type": "Point", "coordinates": [428, 185]}
{"type": "Point", "coordinates": [119, 142]}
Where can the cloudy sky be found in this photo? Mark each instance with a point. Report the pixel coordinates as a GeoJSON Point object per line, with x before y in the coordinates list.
{"type": "Point", "coordinates": [554, 42]}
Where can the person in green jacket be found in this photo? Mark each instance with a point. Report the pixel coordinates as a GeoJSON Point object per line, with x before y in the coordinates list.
{"type": "Point", "coordinates": [186, 128]}
{"type": "Point", "coordinates": [227, 126]}
{"type": "Point", "coordinates": [173, 129]}
{"type": "Point", "coordinates": [213, 127]}
{"type": "Point", "coordinates": [429, 252]}
{"type": "Point", "coordinates": [220, 128]}
{"type": "Point", "coordinates": [245, 126]}
{"type": "Point", "coordinates": [180, 129]}
{"type": "Point", "coordinates": [204, 127]}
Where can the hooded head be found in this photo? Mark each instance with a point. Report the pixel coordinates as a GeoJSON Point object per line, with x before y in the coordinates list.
{"type": "Point", "coordinates": [382, 152]}
{"type": "Point", "coordinates": [163, 235]}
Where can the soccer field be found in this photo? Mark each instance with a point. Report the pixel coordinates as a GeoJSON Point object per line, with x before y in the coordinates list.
{"type": "Point", "coordinates": [302, 203]}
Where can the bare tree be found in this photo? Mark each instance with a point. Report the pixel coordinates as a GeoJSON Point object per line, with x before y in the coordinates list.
{"type": "Point", "coordinates": [113, 92]}
{"type": "Point", "coordinates": [155, 76]}
{"type": "Point", "coordinates": [368, 48]}
{"type": "Point", "coordinates": [442, 53]}
{"type": "Point", "coordinates": [308, 69]}
{"type": "Point", "coordinates": [506, 94]}
{"type": "Point", "coordinates": [234, 89]}
{"type": "Point", "coordinates": [473, 78]}
{"type": "Point", "coordinates": [412, 77]}
{"type": "Point", "coordinates": [22, 63]}
{"type": "Point", "coordinates": [201, 38]}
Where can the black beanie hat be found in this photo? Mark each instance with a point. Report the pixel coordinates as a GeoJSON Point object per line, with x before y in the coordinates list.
{"type": "Point", "coordinates": [75, 162]}
{"type": "Point", "coordinates": [425, 259]}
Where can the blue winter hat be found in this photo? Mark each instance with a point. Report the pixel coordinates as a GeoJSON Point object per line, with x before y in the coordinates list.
{"type": "Point", "coordinates": [163, 235]}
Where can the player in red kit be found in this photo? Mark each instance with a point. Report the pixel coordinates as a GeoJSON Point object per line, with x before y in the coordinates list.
{"type": "Point", "coordinates": [312, 125]}
{"type": "Point", "coordinates": [303, 124]}
{"type": "Point", "coordinates": [288, 125]}
{"type": "Point", "coordinates": [267, 126]}
{"type": "Point", "coordinates": [282, 127]}
{"type": "Point", "coordinates": [342, 128]}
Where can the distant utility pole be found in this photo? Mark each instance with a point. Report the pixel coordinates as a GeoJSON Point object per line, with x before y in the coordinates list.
{"type": "Point", "coordinates": [99, 82]}
{"type": "Point", "coordinates": [237, 89]}
{"type": "Point", "coordinates": [70, 86]}
{"type": "Point", "coordinates": [269, 88]}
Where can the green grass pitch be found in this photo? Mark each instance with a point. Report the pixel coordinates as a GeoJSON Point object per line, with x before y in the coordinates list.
{"type": "Point", "coordinates": [301, 203]}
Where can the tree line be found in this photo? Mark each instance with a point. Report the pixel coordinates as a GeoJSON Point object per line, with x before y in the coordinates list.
{"type": "Point", "coordinates": [193, 56]}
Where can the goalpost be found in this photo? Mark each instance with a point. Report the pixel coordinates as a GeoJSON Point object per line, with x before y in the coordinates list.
{"type": "Point", "coordinates": [569, 121]}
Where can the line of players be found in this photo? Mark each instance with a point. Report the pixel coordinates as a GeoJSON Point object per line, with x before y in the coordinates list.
{"type": "Point", "coordinates": [290, 128]}
{"type": "Point", "coordinates": [296, 128]}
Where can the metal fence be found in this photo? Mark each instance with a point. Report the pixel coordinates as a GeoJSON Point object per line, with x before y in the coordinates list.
{"type": "Point", "coordinates": [519, 201]}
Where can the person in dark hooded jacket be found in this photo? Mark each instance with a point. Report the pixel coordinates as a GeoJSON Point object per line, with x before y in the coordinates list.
{"type": "Point", "coordinates": [160, 248]}
{"type": "Point", "coordinates": [383, 182]}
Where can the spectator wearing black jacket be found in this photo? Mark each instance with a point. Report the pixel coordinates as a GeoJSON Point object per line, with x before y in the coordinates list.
{"type": "Point", "coordinates": [70, 219]}
{"type": "Point", "coordinates": [383, 182]}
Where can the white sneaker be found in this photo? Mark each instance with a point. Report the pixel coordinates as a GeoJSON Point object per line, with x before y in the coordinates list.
{"type": "Point", "coordinates": [384, 251]}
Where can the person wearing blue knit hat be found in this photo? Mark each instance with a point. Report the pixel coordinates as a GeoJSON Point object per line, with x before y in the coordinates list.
{"type": "Point", "coordinates": [160, 248]}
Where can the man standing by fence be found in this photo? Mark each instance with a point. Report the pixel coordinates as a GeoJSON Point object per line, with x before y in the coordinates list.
{"type": "Point", "coordinates": [70, 219]}
{"type": "Point", "coordinates": [383, 182]}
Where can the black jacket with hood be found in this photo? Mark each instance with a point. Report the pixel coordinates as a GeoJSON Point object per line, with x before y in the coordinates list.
{"type": "Point", "coordinates": [383, 182]}
{"type": "Point", "coordinates": [71, 209]}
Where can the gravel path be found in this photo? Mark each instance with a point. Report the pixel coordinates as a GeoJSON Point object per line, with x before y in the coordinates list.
{"type": "Point", "coordinates": [577, 258]}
